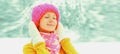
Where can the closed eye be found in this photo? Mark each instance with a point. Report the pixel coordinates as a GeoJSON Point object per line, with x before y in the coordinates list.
{"type": "Point", "coordinates": [54, 18]}
{"type": "Point", "coordinates": [46, 17]}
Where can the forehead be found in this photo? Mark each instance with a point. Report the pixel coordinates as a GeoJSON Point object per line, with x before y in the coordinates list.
{"type": "Point", "coordinates": [50, 13]}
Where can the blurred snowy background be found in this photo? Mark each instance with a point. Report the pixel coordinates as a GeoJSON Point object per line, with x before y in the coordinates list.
{"type": "Point", "coordinates": [84, 20]}
{"type": "Point", "coordinates": [88, 21]}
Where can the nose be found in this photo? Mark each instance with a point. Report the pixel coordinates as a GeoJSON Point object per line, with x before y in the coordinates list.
{"type": "Point", "coordinates": [51, 19]}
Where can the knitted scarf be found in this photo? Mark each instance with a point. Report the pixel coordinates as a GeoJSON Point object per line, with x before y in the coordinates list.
{"type": "Point", "coordinates": [52, 42]}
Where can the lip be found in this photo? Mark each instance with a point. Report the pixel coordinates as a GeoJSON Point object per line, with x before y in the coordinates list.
{"type": "Point", "coordinates": [50, 24]}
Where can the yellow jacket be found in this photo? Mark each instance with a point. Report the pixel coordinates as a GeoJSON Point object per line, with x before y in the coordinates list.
{"type": "Point", "coordinates": [40, 48]}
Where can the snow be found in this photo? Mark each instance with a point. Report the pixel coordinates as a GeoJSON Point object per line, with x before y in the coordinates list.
{"type": "Point", "coordinates": [15, 46]}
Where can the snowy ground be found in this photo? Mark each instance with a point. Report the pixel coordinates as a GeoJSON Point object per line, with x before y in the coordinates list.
{"type": "Point", "coordinates": [15, 45]}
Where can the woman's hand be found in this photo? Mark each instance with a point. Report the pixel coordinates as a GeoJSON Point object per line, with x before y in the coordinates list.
{"type": "Point", "coordinates": [61, 32]}
{"type": "Point", "coordinates": [34, 33]}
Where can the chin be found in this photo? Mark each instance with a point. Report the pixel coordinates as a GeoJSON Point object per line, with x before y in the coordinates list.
{"type": "Point", "coordinates": [50, 30]}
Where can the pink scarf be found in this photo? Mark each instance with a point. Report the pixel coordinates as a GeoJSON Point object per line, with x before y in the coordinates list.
{"type": "Point", "coordinates": [52, 42]}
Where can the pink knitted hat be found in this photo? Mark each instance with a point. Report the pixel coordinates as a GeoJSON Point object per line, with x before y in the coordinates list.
{"type": "Point", "coordinates": [40, 10]}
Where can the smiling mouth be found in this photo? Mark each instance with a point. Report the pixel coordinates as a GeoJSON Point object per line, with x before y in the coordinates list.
{"type": "Point", "coordinates": [50, 24]}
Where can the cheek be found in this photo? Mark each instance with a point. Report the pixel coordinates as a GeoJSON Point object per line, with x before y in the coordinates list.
{"type": "Point", "coordinates": [42, 23]}
{"type": "Point", "coordinates": [56, 22]}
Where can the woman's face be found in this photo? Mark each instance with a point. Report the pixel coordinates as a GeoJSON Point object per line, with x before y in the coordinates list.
{"type": "Point", "coordinates": [48, 22]}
